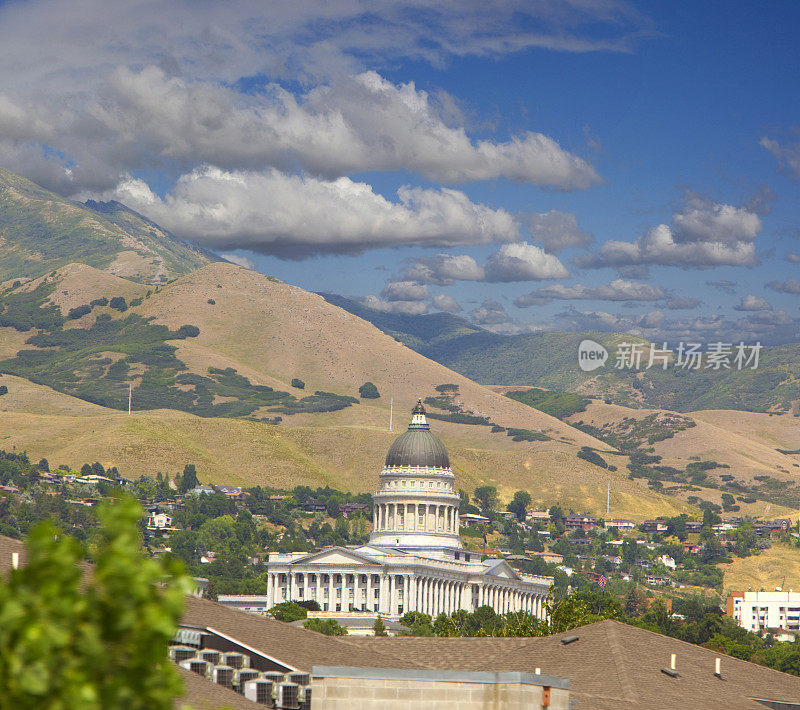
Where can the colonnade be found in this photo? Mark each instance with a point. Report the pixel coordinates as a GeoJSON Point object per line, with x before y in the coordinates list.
{"type": "Point", "coordinates": [396, 594]}
{"type": "Point", "coordinates": [421, 517]}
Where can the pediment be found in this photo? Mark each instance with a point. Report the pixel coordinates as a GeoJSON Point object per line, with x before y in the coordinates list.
{"type": "Point", "coordinates": [501, 569]}
{"type": "Point", "coordinates": [335, 556]}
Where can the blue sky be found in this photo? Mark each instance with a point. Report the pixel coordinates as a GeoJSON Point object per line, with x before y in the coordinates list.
{"type": "Point", "coordinates": [557, 165]}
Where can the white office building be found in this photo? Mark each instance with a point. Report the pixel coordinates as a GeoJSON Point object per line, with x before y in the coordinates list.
{"type": "Point", "coordinates": [756, 611]}
{"type": "Point", "coordinates": [414, 560]}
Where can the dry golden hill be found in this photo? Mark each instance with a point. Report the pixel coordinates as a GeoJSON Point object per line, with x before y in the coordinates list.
{"type": "Point", "coordinates": [779, 566]}
{"type": "Point", "coordinates": [64, 430]}
{"type": "Point", "coordinates": [747, 442]}
{"type": "Point", "coordinates": [272, 332]}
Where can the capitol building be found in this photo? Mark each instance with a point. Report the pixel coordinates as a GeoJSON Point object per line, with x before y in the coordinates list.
{"type": "Point", "coordinates": [414, 560]}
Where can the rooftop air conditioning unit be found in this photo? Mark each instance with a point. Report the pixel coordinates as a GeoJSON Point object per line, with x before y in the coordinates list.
{"type": "Point", "coordinates": [288, 696]}
{"type": "Point", "coordinates": [196, 666]}
{"type": "Point", "coordinates": [275, 677]}
{"type": "Point", "coordinates": [236, 660]}
{"type": "Point", "coordinates": [223, 675]}
{"type": "Point", "coordinates": [181, 653]}
{"type": "Point", "coordinates": [259, 691]}
{"type": "Point", "coordinates": [299, 678]}
{"type": "Point", "coordinates": [243, 676]}
{"type": "Point", "coordinates": [305, 698]}
{"type": "Point", "coordinates": [210, 656]}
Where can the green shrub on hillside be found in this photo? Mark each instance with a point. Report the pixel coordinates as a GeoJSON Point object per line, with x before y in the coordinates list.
{"type": "Point", "coordinates": [298, 383]}
{"type": "Point", "coordinates": [118, 303]}
{"type": "Point", "coordinates": [368, 391]}
{"type": "Point", "coordinates": [556, 404]}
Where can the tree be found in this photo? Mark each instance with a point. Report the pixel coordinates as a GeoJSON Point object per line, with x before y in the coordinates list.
{"type": "Point", "coordinates": [70, 643]}
{"type": "Point", "coordinates": [298, 383]}
{"type": "Point", "coordinates": [368, 391]}
{"type": "Point", "coordinates": [118, 303]}
{"type": "Point", "coordinates": [486, 498]}
{"type": "Point", "coordinates": [3, 390]}
{"type": "Point", "coordinates": [519, 504]}
{"type": "Point", "coordinates": [289, 611]}
{"type": "Point", "coordinates": [379, 628]}
{"type": "Point", "coordinates": [86, 470]}
{"type": "Point", "coordinates": [557, 518]}
{"type": "Point", "coordinates": [329, 627]}
{"type": "Point", "coordinates": [97, 469]}
{"type": "Point", "coordinates": [189, 479]}
{"type": "Point", "coordinates": [44, 465]}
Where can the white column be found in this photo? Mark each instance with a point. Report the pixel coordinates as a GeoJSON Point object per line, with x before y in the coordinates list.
{"type": "Point", "coordinates": [356, 597]}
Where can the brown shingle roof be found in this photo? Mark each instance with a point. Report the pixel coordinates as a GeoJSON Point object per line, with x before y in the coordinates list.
{"type": "Point", "coordinates": [611, 665]}
{"type": "Point", "coordinates": [298, 648]}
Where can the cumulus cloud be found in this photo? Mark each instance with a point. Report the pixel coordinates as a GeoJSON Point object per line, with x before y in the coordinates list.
{"type": "Point", "coordinates": [791, 286]}
{"type": "Point", "coordinates": [617, 290]}
{"type": "Point", "coordinates": [523, 262]}
{"type": "Point", "coordinates": [405, 291]}
{"type": "Point", "coordinates": [753, 303]}
{"type": "Point", "coordinates": [788, 154]}
{"type": "Point", "coordinates": [295, 216]}
{"type": "Point", "coordinates": [489, 313]}
{"type": "Point", "coordinates": [703, 235]}
{"type": "Point", "coordinates": [792, 258]}
{"type": "Point", "coordinates": [556, 230]}
{"type": "Point", "coordinates": [112, 88]}
{"type": "Point", "coordinates": [516, 261]}
{"type": "Point", "coordinates": [408, 308]}
{"type": "Point", "coordinates": [444, 269]}
{"type": "Point", "coordinates": [443, 302]}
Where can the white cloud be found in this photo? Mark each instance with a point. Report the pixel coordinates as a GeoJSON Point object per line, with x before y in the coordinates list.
{"type": "Point", "coordinates": [753, 303]}
{"type": "Point", "coordinates": [617, 290]}
{"type": "Point", "coordinates": [444, 269]}
{"type": "Point", "coordinates": [240, 260]}
{"type": "Point", "coordinates": [443, 302]}
{"type": "Point", "coordinates": [791, 286]}
{"type": "Point", "coordinates": [704, 234]}
{"type": "Point", "coordinates": [295, 216]}
{"type": "Point", "coordinates": [521, 261]}
{"type": "Point", "coordinates": [408, 308]}
{"type": "Point", "coordinates": [792, 257]}
{"type": "Point", "coordinates": [489, 313]}
{"type": "Point", "coordinates": [556, 230]}
{"type": "Point", "coordinates": [516, 261]}
{"type": "Point", "coordinates": [788, 155]}
{"type": "Point", "coordinates": [405, 291]}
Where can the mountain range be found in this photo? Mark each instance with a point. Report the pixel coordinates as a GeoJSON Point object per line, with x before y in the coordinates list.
{"type": "Point", "coordinates": [256, 381]}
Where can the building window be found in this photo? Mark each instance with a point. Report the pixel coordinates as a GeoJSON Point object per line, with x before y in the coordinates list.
{"type": "Point", "coordinates": [300, 592]}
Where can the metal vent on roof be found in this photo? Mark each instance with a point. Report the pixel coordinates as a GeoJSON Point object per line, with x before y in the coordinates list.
{"type": "Point", "coordinates": [671, 672]}
{"type": "Point", "coordinates": [569, 639]}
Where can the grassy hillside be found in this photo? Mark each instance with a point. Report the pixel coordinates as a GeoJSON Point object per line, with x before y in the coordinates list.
{"type": "Point", "coordinates": [236, 451]}
{"type": "Point", "coordinates": [40, 231]}
{"type": "Point", "coordinates": [779, 566]}
{"type": "Point", "coordinates": [549, 360]}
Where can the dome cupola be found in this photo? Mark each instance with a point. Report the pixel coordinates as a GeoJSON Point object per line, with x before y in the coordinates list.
{"type": "Point", "coordinates": [419, 446]}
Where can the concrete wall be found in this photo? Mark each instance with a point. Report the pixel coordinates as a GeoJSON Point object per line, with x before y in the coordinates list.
{"type": "Point", "coordinates": [415, 690]}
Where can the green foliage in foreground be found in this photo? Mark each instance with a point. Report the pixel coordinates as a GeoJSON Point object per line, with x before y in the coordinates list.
{"type": "Point", "coordinates": [69, 646]}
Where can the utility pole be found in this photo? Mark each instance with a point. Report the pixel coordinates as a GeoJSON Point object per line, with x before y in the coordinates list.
{"type": "Point", "coordinates": [391, 409]}
{"type": "Point", "coordinates": [130, 396]}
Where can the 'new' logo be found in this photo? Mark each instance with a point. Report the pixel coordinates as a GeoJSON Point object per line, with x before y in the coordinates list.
{"type": "Point", "coordinates": [591, 355]}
